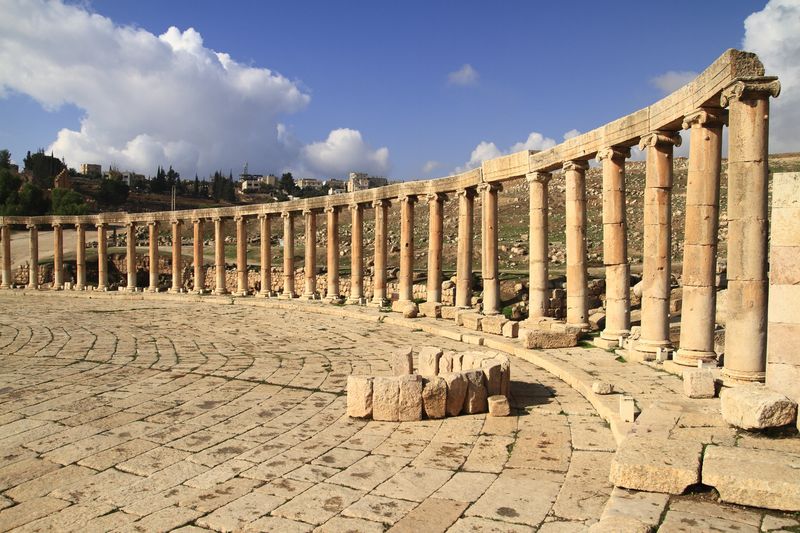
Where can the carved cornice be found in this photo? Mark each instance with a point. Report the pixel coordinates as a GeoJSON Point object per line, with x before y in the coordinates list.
{"type": "Point", "coordinates": [655, 138]}
{"type": "Point", "coordinates": [575, 165]}
{"type": "Point", "coordinates": [614, 153]}
{"type": "Point", "coordinates": [744, 88]}
{"type": "Point", "coordinates": [710, 118]}
{"type": "Point", "coordinates": [538, 177]}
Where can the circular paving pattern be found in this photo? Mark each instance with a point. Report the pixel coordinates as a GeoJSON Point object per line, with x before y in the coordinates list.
{"type": "Point", "coordinates": [156, 415]}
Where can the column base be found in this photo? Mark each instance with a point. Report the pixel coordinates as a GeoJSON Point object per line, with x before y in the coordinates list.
{"type": "Point", "coordinates": [380, 302]}
{"type": "Point", "coordinates": [175, 291]}
{"type": "Point", "coordinates": [285, 296]}
{"type": "Point", "coordinates": [32, 287]}
{"type": "Point", "coordinates": [101, 288]}
{"type": "Point", "coordinates": [240, 294]}
{"type": "Point", "coordinates": [583, 326]}
{"type": "Point", "coordinates": [334, 298]}
{"type": "Point", "coordinates": [648, 350]}
{"type": "Point", "coordinates": [267, 294]}
{"type": "Point", "coordinates": [611, 339]}
{"type": "Point", "coordinates": [312, 296]}
{"type": "Point", "coordinates": [356, 301]}
{"type": "Point", "coordinates": [152, 289]}
{"type": "Point", "coordinates": [686, 357]}
{"type": "Point", "coordinates": [220, 292]}
{"type": "Point", "coordinates": [733, 378]}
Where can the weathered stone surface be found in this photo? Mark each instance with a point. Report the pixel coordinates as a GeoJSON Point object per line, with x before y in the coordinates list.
{"type": "Point", "coordinates": [759, 478]}
{"type": "Point", "coordinates": [475, 401]}
{"type": "Point", "coordinates": [511, 329]}
{"type": "Point", "coordinates": [410, 406]}
{"type": "Point", "coordinates": [627, 408]}
{"type": "Point", "coordinates": [538, 339]}
{"type": "Point", "coordinates": [434, 397]}
{"type": "Point", "coordinates": [493, 374]}
{"type": "Point", "coordinates": [756, 407]}
{"type": "Point", "coordinates": [429, 357]}
{"type": "Point", "coordinates": [601, 387]}
{"type": "Point", "coordinates": [385, 399]}
{"type": "Point", "coordinates": [620, 524]}
{"type": "Point", "coordinates": [402, 362]}
{"type": "Point", "coordinates": [456, 392]}
{"type": "Point", "coordinates": [446, 363]}
{"type": "Point", "coordinates": [698, 383]}
{"type": "Point", "coordinates": [656, 464]}
{"type": "Point", "coordinates": [359, 396]}
{"type": "Point", "coordinates": [498, 406]}
{"type": "Point", "coordinates": [505, 378]}
{"type": "Point", "coordinates": [632, 510]}
{"type": "Point", "coordinates": [448, 312]}
{"type": "Point", "coordinates": [410, 310]}
{"type": "Point", "coordinates": [431, 309]}
{"type": "Point", "coordinates": [493, 324]}
{"type": "Point", "coordinates": [470, 320]}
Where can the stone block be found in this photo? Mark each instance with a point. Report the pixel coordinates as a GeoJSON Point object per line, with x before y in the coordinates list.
{"type": "Point", "coordinates": [601, 387]}
{"type": "Point", "coordinates": [754, 477]}
{"type": "Point", "coordinates": [505, 369]}
{"type": "Point", "coordinates": [756, 407]}
{"type": "Point", "coordinates": [656, 464]}
{"type": "Point", "coordinates": [385, 399]}
{"type": "Point", "coordinates": [410, 402]}
{"type": "Point", "coordinates": [563, 327]}
{"type": "Point", "coordinates": [471, 320]}
{"type": "Point", "coordinates": [493, 375]}
{"type": "Point", "coordinates": [627, 408]}
{"type": "Point", "coordinates": [431, 309]}
{"type": "Point", "coordinates": [511, 329]}
{"type": "Point", "coordinates": [475, 400]}
{"type": "Point", "coordinates": [456, 392]}
{"type": "Point", "coordinates": [428, 358]}
{"type": "Point", "coordinates": [359, 396]}
{"type": "Point", "coordinates": [537, 339]}
{"type": "Point", "coordinates": [698, 383]}
{"type": "Point", "coordinates": [448, 312]}
{"type": "Point", "coordinates": [446, 363]}
{"type": "Point", "coordinates": [498, 406]}
{"type": "Point", "coordinates": [408, 308]}
{"type": "Point", "coordinates": [402, 362]}
{"type": "Point", "coordinates": [434, 397]}
{"type": "Point", "coordinates": [493, 324]}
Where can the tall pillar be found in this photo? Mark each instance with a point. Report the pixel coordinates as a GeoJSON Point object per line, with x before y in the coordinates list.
{"type": "Point", "coordinates": [80, 257]}
{"type": "Point", "coordinates": [266, 255]}
{"type": "Point", "coordinates": [577, 276]}
{"type": "Point", "coordinates": [241, 256]}
{"type": "Point", "coordinates": [219, 255]}
{"type": "Point", "coordinates": [615, 247]}
{"type": "Point", "coordinates": [333, 252]}
{"type": "Point", "coordinates": [489, 260]}
{"type": "Point", "coordinates": [539, 244]}
{"type": "Point", "coordinates": [130, 258]}
{"type": "Point", "coordinates": [197, 248]}
{"type": "Point", "coordinates": [152, 228]}
{"type": "Point", "coordinates": [288, 256]}
{"type": "Point", "coordinates": [700, 239]}
{"type": "Point", "coordinates": [466, 208]}
{"type": "Point", "coordinates": [435, 236]}
{"type": "Point", "coordinates": [381, 229]}
{"type": "Point", "coordinates": [58, 256]}
{"type": "Point", "coordinates": [406, 281]}
{"type": "Point", "coordinates": [6, 237]}
{"type": "Point", "coordinates": [310, 260]}
{"type": "Point", "coordinates": [357, 255]}
{"type": "Point", "coordinates": [657, 245]}
{"type": "Point", "coordinates": [33, 271]}
{"type": "Point", "coordinates": [748, 178]}
{"type": "Point", "coordinates": [177, 257]}
{"type": "Point", "coordinates": [102, 257]}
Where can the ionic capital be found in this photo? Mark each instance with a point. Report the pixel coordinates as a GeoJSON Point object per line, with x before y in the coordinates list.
{"type": "Point", "coordinates": [490, 187]}
{"type": "Point", "coordinates": [102, 225]}
{"type": "Point", "coordinates": [660, 137]}
{"type": "Point", "coordinates": [308, 212]}
{"type": "Point", "coordinates": [332, 209]}
{"type": "Point", "coordinates": [263, 216]}
{"type": "Point", "coordinates": [217, 219]}
{"type": "Point", "coordinates": [710, 118]}
{"type": "Point", "coordinates": [575, 165]}
{"type": "Point", "coordinates": [435, 197]}
{"type": "Point", "coordinates": [410, 198]}
{"type": "Point", "coordinates": [153, 223]}
{"type": "Point", "coordinates": [239, 218]}
{"type": "Point", "coordinates": [538, 177]}
{"type": "Point", "coordinates": [383, 202]}
{"type": "Point", "coordinates": [748, 88]}
{"type": "Point", "coordinates": [80, 226]}
{"type": "Point", "coordinates": [614, 153]}
{"type": "Point", "coordinates": [197, 221]}
{"type": "Point", "coordinates": [355, 207]}
{"type": "Point", "coordinates": [467, 192]}
{"type": "Point", "coordinates": [176, 222]}
{"type": "Point", "coordinates": [286, 214]}
{"type": "Point", "coordinates": [31, 226]}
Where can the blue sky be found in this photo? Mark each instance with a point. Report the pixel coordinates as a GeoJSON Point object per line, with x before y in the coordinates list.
{"type": "Point", "coordinates": [381, 69]}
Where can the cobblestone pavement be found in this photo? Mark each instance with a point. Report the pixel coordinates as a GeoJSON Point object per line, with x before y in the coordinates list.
{"type": "Point", "coordinates": [154, 415]}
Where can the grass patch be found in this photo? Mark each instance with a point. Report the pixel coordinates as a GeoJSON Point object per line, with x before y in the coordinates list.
{"type": "Point", "coordinates": [620, 359]}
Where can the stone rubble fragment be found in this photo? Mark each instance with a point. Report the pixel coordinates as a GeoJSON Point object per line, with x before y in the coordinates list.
{"type": "Point", "coordinates": [601, 387]}
{"type": "Point", "coordinates": [698, 383]}
{"type": "Point", "coordinates": [434, 397]}
{"type": "Point", "coordinates": [498, 406]}
{"type": "Point", "coordinates": [429, 357]}
{"type": "Point", "coordinates": [402, 362]}
{"type": "Point", "coordinates": [359, 396]}
{"type": "Point", "coordinates": [756, 407]}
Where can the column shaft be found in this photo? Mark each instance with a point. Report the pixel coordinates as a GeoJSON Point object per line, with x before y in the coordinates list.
{"type": "Point", "coordinates": [466, 208]}
{"type": "Point", "coordinates": [197, 246]}
{"type": "Point", "coordinates": [310, 262]}
{"type": "Point", "coordinates": [539, 253]}
{"type": "Point", "coordinates": [381, 229]}
{"type": "Point", "coordinates": [58, 257]}
{"type": "Point", "coordinates": [288, 256]}
{"type": "Point", "coordinates": [33, 271]}
{"type": "Point", "coordinates": [406, 281]}
{"type": "Point", "coordinates": [577, 276]}
{"type": "Point", "coordinates": [356, 254]}
{"type": "Point", "coordinates": [489, 259]}
{"type": "Point", "coordinates": [219, 255]}
{"type": "Point", "coordinates": [152, 228]}
{"type": "Point", "coordinates": [80, 257]}
{"type": "Point", "coordinates": [102, 257]}
{"type": "Point", "coordinates": [130, 258]}
{"type": "Point", "coordinates": [333, 252]}
{"type": "Point", "coordinates": [242, 287]}
{"type": "Point", "coordinates": [266, 255]}
{"type": "Point", "coordinates": [435, 242]}
{"type": "Point", "coordinates": [177, 257]}
{"type": "Point", "coordinates": [6, 237]}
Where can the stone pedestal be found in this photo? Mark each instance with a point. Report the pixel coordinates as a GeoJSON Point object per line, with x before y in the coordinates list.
{"type": "Point", "coordinates": [538, 255]}
{"type": "Point", "coordinates": [58, 257]}
{"type": "Point", "coordinates": [435, 228]}
{"type": "Point", "coordinates": [466, 208]}
{"type": "Point", "coordinates": [152, 228]}
{"type": "Point", "coordinates": [406, 281]}
{"type": "Point", "coordinates": [357, 255]}
{"type": "Point", "coordinates": [241, 256]}
{"type": "Point", "coordinates": [102, 257]}
{"type": "Point", "coordinates": [33, 272]}
{"type": "Point", "coordinates": [288, 256]}
{"type": "Point", "coordinates": [577, 277]}
{"type": "Point", "coordinates": [6, 238]}
{"type": "Point", "coordinates": [80, 257]}
{"type": "Point", "coordinates": [197, 248]}
{"type": "Point", "coordinates": [489, 267]}
{"type": "Point", "coordinates": [219, 256]}
{"type": "Point", "coordinates": [381, 228]}
{"type": "Point", "coordinates": [177, 257]}
{"type": "Point", "coordinates": [264, 222]}
{"type": "Point", "coordinates": [700, 241]}
{"type": "Point", "coordinates": [332, 216]}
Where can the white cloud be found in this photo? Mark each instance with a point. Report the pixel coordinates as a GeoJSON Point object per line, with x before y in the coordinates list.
{"type": "Point", "coordinates": [148, 100]}
{"type": "Point", "coordinates": [344, 151]}
{"type": "Point", "coordinates": [430, 166]}
{"type": "Point", "coordinates": [672, 80]}
{"type": "Point", "coordinates": [772, 34]}
{"type": "Point", "coordinates": [571, 133]}
{"type": "Point", "coordinates": [489, 150]}
{"type": "Point", "coordinates": [466, 75]}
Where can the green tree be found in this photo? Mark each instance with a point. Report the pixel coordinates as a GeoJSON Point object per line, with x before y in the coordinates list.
{"type": "Point", "coordinates": [113, 192]}
{"type": "Point", "coordinates": [43, 167]}
{"type": "Point", "coordinates": [287, 183]}
{"type": "Point", "coordinates": [9, 184]}
{"type": "Point", "coordinates": [67, 202]}
{"type": "Point", "coordinates": [32, 200]}
{"type": "Point", "coordinates": [5, 159]}
{"type": "Point", "coordinates": [159, 183]}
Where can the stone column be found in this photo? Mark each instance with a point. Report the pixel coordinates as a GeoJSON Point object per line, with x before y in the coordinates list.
{"type": "Point", "coordinates": [80, 257]}
{"type": "Point", "coordinates": [539, 244]}
{"type": "Point", "coordinates": [177, 257]}
{"type": "Point", "coordinates": [6, 237]}
{"type": "Point", "coordinates": [241, 256]}
{"type": "Point", "coordinates": [130, 258]}
{"type": "Point", "coordinates": [381, 229]}
{"type": "Point", "coordinates": [197, 248]}
{"type": "Point", "coordinates": [615, 247]}
{"type": "Point", "coordinates": [333, 252]}
{"type": "Point", "coordinates": [748, 177]}
{"type": "Point", "coordinates": [577, 276]}
{"type": "Point", "coordinates": [406, 281]}
{"type": "Point", "coordinates": [310, 262]}
{"type": "Point", "coordinates": [700, 240]}
{"type": "Point", "coordinates": [219, 256]}
{"type": "Point", "coordinates": [356, 255]}
{"type": "Point", "coordinates": [102, 257]}
{"type": "Point", "coordinates": [58, 256]}
{"type": "Point", "coordinates": [435, 236]}
{"type": "Point", "coordinates": [489, 260]}
{"type": "Point", "coordinates": [152, 230]}
{"type": "Point", "coordinates": [33, 271]}
{"type": "Point", "coordinates": [288, 256]}
{"type": "Point", "coordinates": [466, 208]}
{"type": "Point", "coordinates": [266, 255]}
{"type": "Point", "coordinates": [657, 246]}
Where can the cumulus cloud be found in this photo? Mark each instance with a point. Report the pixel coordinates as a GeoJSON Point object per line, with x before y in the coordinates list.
{"type": "Point", "coordinates": [571, 133]}
{"type": "Point", "coordinates": [430, 166]}
{"type": "Point", "coordinates": [672, 80]}
{"type": "Point", "coordinates": [147, 99]}
{"type": "Point", "coordinates": [489, 150]}
{"type": "Point", "coordinates": [343, 151]}
{"type": "Point", "coordinates": [466, 75]}
{"type": "Point", "coordinates": [772, 34]}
